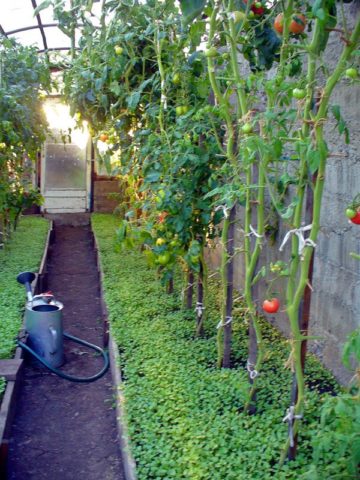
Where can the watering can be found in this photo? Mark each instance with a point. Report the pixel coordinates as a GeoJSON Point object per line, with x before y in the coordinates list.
{"type": "Point", "coordinates": [43, 323]}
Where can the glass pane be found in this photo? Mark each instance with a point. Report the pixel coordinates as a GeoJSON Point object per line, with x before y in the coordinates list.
{"type": "Point", "coordinates": [65, 166]}
{"type": "Point", "coordinates": [29, 38]}
{"type": "Point", "coordinates": [56, 38]}
{"type": "Point", "coordinates": [17, 14]}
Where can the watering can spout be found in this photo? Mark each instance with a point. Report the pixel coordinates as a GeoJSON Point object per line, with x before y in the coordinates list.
{"type": "Point", "coordinates": [26, 278]}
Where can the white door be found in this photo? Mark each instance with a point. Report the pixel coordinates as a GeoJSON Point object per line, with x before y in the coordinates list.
{"type": "Point", "coordinates": [65, 166]}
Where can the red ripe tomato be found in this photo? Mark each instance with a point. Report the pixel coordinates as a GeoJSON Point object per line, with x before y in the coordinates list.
{"type": "Point", "coordinates": [256, 7]}
{"type": "Point", "coordinates": [104, 137]}
{"type": "Point", "coordinates": [162, 216]}
{"type": "Point", "coordinates": [271, 306]}
{"type": "Point", "coordinates": [356, 218]}
{"type": "Point", "coordinates": [279, 23]}
{"type": "Point", "coordinates": [297, 24]}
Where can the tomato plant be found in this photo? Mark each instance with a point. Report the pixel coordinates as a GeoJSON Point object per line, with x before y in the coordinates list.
{"type": "Point", "coordinates": [24, 78]}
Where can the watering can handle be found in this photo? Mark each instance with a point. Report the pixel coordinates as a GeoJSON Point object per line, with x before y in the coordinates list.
{"type": "Point", "coordinates": [54, 337]}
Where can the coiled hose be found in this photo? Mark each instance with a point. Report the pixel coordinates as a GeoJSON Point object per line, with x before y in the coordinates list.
{"type": "Point", "coordinates": [61, 374]}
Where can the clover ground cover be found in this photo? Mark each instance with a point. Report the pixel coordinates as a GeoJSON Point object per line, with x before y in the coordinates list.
{"type": "Point", "coordinates": [185, 416]}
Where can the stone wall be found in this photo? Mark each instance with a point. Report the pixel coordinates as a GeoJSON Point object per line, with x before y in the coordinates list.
{"type": "Point", "coordinates": [335, 308]}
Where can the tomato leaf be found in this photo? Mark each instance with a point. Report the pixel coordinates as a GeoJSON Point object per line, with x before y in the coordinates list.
{"type": "Point", "coordinates": [191, 9]}
{"type": "Point", "coordinates": [313, 159]}
{"type": "Point", "coordinates": [260, 274]}
{"type": "Point", "coordinates": [42, 6]}
{"type": "Point", "coordinates": [341, 124]}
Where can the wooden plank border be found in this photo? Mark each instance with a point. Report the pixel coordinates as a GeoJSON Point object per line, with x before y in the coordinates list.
{"type": "Point", "coordinates": [128, 461]}
{"type": "Point", "coordinates": [8, 404]}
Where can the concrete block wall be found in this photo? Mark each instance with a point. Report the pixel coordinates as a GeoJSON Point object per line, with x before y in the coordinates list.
{"type": "Point", "coordinates": [335, 307]}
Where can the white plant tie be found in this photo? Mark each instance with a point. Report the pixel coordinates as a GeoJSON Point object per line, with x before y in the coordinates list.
{"type": "Point", "coordinates": [253, 232]}
{"type": "Point", "coordinates": [228, 320]}
{"type": "Point", "coordinates": [250, 367]}
{"type": "Point", "coordinates": [199, 309]}
{"type": "Point", "coordinates": [289, 418]}
{"type": "Point", "coordinates": [164, 99]}
{"type": "Point", "coordinates": [224, 209]}
{"type": "Point", "coordinates": [303, 242]}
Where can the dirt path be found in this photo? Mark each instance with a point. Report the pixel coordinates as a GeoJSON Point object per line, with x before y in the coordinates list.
{"type": "Point", "coordinates": [64, 430]}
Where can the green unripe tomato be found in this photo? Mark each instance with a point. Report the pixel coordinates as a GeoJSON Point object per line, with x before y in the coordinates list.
{"type": "Point", "coordinates": [239, 17]}
{"type": "Point", "coordinates": [182, 109]}
{"type": "Point", "coordinates": [118, 50]}
{"type": "Point", "coordinates": [174, 244]}
{"type": "Point", "coordinates": [176, 79]}
{"type": "Point", "coordinates": [350, 213]}
{"type": "Point", "coordinates": [211, 52]}
{"type": "Point", "coordinates": [247, 128]}
{"type": "Point", "coordinates": [351, 73]}
{"type": "Point", "coordinates": [299, 93]}
{"type": "Point", "coordinates": [163, 259]}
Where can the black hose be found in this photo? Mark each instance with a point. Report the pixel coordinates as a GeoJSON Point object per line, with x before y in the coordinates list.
{"type": "Point", "coordinates": [65, 375]}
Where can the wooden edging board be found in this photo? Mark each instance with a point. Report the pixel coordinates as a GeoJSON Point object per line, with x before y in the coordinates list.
{"type": "Point", "coordinates": [128, 461]}
{"type": "Point", "coordinates": [7, 408]}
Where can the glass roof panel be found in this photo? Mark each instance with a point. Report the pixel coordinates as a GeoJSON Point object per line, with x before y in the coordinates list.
{"type": "Point", "coordinates": [29, 38]}
{"type": "Point", "coordinates": [47, 15]}
{"type": "Point", "coordinates": [17, 14]}
{"type": "Point", "coordinates": [56, 38]}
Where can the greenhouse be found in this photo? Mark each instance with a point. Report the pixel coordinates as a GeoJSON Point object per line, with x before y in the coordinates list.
{"type": "Point", "coordinates": [179, 240]}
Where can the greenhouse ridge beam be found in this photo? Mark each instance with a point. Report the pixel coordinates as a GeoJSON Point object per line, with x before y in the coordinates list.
{"type": "Point", "coordinates": [33, 2]}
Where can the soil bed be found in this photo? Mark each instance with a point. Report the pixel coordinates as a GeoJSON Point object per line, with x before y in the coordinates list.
{"type": "Point", "coordinates": [64, 430]}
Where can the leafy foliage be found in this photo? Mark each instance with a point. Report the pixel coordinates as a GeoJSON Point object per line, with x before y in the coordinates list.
{"type": "Point", "coordinates": [23, 252]}
{"type": "Point", "coordinates": [2, 385]}
{"type": "Point", "coordinates": [23, 75]}
{"type": "Point", "coordinates": [340, 425]}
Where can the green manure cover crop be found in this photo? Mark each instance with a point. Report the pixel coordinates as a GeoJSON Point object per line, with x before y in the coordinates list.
{"type": "Point", "coordinates": [22, 252]}
{"type": "Point", "coordinates": [2, 385]}
{"type": "Point", "coordinates": [185, 416]}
